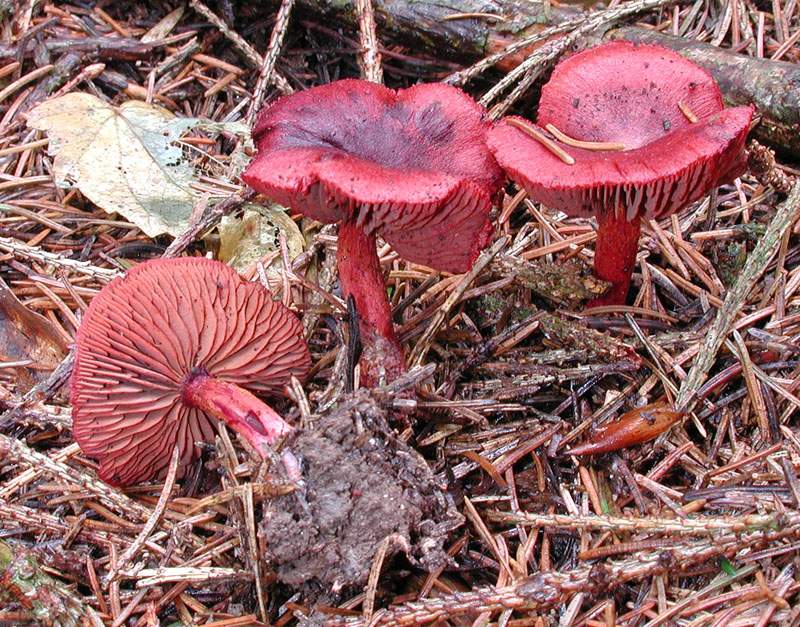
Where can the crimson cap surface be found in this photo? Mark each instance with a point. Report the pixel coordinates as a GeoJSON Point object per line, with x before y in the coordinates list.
{"type": "Point", "coordinates": [145, 333]}
{"type": "Point", "coordinates": [410, 165]}
{"type": "Point", "coordinates": [628, 93]}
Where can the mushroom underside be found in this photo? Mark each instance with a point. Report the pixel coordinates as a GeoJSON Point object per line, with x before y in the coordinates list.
{"type": "Point", "coordinates": [361, 485]}
{"type": "Point", "coordinates": [147, 335]}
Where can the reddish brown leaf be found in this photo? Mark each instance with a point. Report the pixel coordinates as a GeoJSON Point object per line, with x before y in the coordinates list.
{"type": "Point", "coordinates": [634, 427]}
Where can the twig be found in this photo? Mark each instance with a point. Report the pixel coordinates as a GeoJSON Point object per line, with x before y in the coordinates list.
{"type": "Point", "coordinates": [391, 542]}
{"type": "Point", "coordinates": [270, 58]}
{"type": "Point", "coordinates": [31, 473]}
{"type": "Point", "coordinates": [410, 379]}
{"type": "Point", "coordinates": [464, 76]}
{"type": "Point", "coordinates": [527, 71]}
{"type": "Point", "coordinates": [20, 452]}
{"type": "Point", "coordinates": [40, 521]}
{"type": "Point", "coordinates": [424, 343]}
{"type": "Point", "coordinates": [42, 391]}
{"type": "Point", "coordinates": [161, 506]}
{"type": "Point", "coordinates": [549, 589]}
{"type": "Point", "coordinates": [369, 57]}
{"type": "Point", "coordinates": [532, 131]}
{"type": "Point", "coordinates": [34, 253]}
{"type": "Point", "coordinates": [252, 547]}
{"type": "Point", "coordinates": [684, 527]}
{"type": "Point", "coordinates": [734, 300]}
{"type": "Point", "coordinates": [197, 574]}
{"type": "Point", "coordinates": [245, 48]}
{"type": "Point", "coordinates": [40, 416]}
{"type": "Point", "coordinates": [21, 82]}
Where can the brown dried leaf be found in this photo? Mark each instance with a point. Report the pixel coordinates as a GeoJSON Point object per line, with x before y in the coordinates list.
{"type": "Point", "coordinates": [634, 427]}
{"type": "Point", "coordinates": [28, 338]}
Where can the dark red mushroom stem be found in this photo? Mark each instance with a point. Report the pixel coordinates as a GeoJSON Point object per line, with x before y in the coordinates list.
{"type": "Point", "coordinates": [615, 255]}
{"type": "Point", "coordinates": [361, 276]}
{"type": "Point", "coordinates": [243, 412]}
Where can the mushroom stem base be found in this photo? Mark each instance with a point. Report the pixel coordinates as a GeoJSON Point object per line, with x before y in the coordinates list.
{"type": "Point", "coordinates": [615, 255]}
{"type": "Point", "coordinates": [246, 414]}
{"type": "Point", "coordinates": [361, 276]}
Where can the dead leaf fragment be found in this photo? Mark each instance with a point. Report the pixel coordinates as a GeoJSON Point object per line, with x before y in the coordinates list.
{"type": "Point", "coordinates": [566, 284]}
{"type": "Point", "coordinates": [124, 159]}
{"type": "Point", "coordinates": [164, 26]}
{"type": "Point", "coordinates": [256, 237]}
{"type": "Point", "coordinates": [27, 339]}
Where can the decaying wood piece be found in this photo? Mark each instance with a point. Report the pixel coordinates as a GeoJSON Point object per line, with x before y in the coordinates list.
{"type": "Point", "coordinates": [471, 29]}
{"type": "Point", "coordinates": [455, 29]}
{"type": "Point", "coordinates": [123, 48]}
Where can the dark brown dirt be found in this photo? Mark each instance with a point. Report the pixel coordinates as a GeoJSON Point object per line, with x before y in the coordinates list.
{"type": "Point", "coordinates": [361, 485]}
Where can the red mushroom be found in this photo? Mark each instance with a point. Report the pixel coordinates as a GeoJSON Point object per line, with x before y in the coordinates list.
{"type": "Point", "coordinates": [166, 348]}
{"type": "Point", "coordinates": [637, 131]}
{"type": "Point", "coordinates": [409, 165]}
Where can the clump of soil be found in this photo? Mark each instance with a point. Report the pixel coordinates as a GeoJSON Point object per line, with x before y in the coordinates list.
{"type": "Point", "coordinates": [360, 485]}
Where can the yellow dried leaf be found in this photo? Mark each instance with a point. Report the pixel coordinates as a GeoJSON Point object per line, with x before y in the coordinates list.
{"type": "Point", "coordinates": [247, 240]}
{"type": "Point", "coordinates": [123, 159]}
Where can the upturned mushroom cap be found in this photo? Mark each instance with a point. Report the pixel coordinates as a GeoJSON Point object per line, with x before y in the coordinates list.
{"type": "Point", "coordinates": [630, 94]}
{"type": "Point", "coordinates": [409, 165]}
{"type": "Point", "coordinates": [145, 333]}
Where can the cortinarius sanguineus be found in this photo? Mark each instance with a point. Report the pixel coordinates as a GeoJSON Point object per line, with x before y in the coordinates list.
{"type": "Point", "coordinates": [411, 166]}
{"type": "Point", "coordinates": [624, 131]}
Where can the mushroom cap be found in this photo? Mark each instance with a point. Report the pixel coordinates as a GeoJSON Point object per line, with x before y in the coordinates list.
{"type": "Point", "coordinates": [410, 165]}
{"type": "Point", "coordinates": [145, 333]}
{"type": "Point", "coordinates": [627, 93]}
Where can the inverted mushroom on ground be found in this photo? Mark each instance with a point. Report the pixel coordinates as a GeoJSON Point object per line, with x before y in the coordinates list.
{"type": "Point", "coordinates": [624, 131]}
{"type": "Point", "coordinates": [167, 348]}
{"type": "Point", "coordinates": [411, 166]}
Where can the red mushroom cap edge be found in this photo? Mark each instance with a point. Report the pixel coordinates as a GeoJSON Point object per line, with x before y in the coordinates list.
{"type": "Point", "coordinates": [410, 165]}
{"type": "Point", "coordinates": [628, 93]}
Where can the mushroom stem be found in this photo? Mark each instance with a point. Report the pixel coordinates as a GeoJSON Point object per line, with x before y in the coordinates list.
{"type": "Point", "coordinates": [361, 276]}
{"type": "Point", "coordinates": [615, 255]}
{"type": "Point", "coordinates": [260, 425]}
